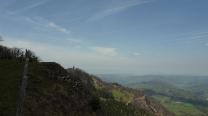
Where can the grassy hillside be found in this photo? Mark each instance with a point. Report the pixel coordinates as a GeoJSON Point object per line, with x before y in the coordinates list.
{"type": "Point", "coordinates": [54, 91]}
{"type": "Point", "coordinates": [10, 78]}
{"type": "Point", "coordinates": [114, 108]}
{"type": "Point", "coordinates": [49, 94]}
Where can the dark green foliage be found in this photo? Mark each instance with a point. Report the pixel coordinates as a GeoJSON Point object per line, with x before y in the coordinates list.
{"type": "Point", "coordinates": [95, 104]}
{"type": "Point", "coordinates": [10, 77]}
{"type": "Point", "coordinates": [104, 94]}
{"type": "Point", "coordinates": [84, 77]}
{"type": "Point", "coordinates": [16, 54]}
{"type": "Point", "coordinates": [111, 107]}
{"type": "Point", "coordinates": [49, 94]}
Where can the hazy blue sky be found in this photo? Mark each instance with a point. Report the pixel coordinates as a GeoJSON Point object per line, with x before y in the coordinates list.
{"type": "Point", "coordinates": [112, 36]}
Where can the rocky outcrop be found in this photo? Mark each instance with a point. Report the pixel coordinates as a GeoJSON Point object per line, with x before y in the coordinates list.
{"type": "Point", "coordinates": [150, 105]}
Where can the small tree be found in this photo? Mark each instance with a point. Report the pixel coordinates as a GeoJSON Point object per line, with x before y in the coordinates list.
{"type": "Point", "coordinates": [31, 55]}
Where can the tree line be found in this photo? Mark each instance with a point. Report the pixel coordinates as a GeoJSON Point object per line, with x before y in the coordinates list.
{"type": "Point", "coordinates": [16, 54]}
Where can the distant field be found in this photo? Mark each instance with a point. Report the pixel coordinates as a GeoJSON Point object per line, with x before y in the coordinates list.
{"type": "Point", "coordinates": [179, 108]}
{"type": "Point", "coordinates": [10, 77]}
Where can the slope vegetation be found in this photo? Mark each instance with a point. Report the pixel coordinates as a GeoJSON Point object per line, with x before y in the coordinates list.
{"type": "Point", "coordinates": [10, 78]}
{"type": "Point", "coordinates": [54, 91]}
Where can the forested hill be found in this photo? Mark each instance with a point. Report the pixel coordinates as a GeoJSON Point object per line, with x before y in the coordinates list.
{"type": "Point", "coordinates": [55, 91]}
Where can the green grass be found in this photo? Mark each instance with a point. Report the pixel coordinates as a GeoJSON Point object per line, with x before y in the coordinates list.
{"type": "Point", "coordinates": [10, 77]}
{"type": "Point", "coordinates": [179, 108]}
{"type": "Point", "coordinates": [119, 94]}
{"type": "Point", "coordinates": [122, 96]}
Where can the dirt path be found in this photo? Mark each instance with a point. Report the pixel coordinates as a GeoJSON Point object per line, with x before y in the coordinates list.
{"type": "Point", "coordinates": [22, 92]}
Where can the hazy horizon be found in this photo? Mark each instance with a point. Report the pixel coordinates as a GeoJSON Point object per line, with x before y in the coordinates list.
{"type": "Point", "coordinates": [139, 37]}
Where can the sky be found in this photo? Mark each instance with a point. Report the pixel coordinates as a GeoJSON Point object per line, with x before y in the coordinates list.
{"type": "Point", "coordinates": [112, 36]}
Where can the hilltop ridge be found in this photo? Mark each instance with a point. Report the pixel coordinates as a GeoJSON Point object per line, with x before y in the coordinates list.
{"type": "Point", "coordinates": [54, 91]}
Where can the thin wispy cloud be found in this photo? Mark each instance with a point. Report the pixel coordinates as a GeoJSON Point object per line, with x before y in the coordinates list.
{"type": "Point", "coordinates": [136, 54]}
{"type": "Point", "coordinates": [106, 51]}
{"type": "Point", "coordinates": [194, 36]}
{"type": "Point", "coordinates": [116, 7]}
{"type": "Point", "coordinates": [30, 6]}
{"type": "Point", "coordinates": [58, 27]}
{"type": "Point", "coordinates": [206, 44]}
{"type": "Point", "coordinates": [74, 40]}
{"type": "Point", "coordinates": [40, 21]}
{"type": "Point", "coordinates": [198, 37]}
